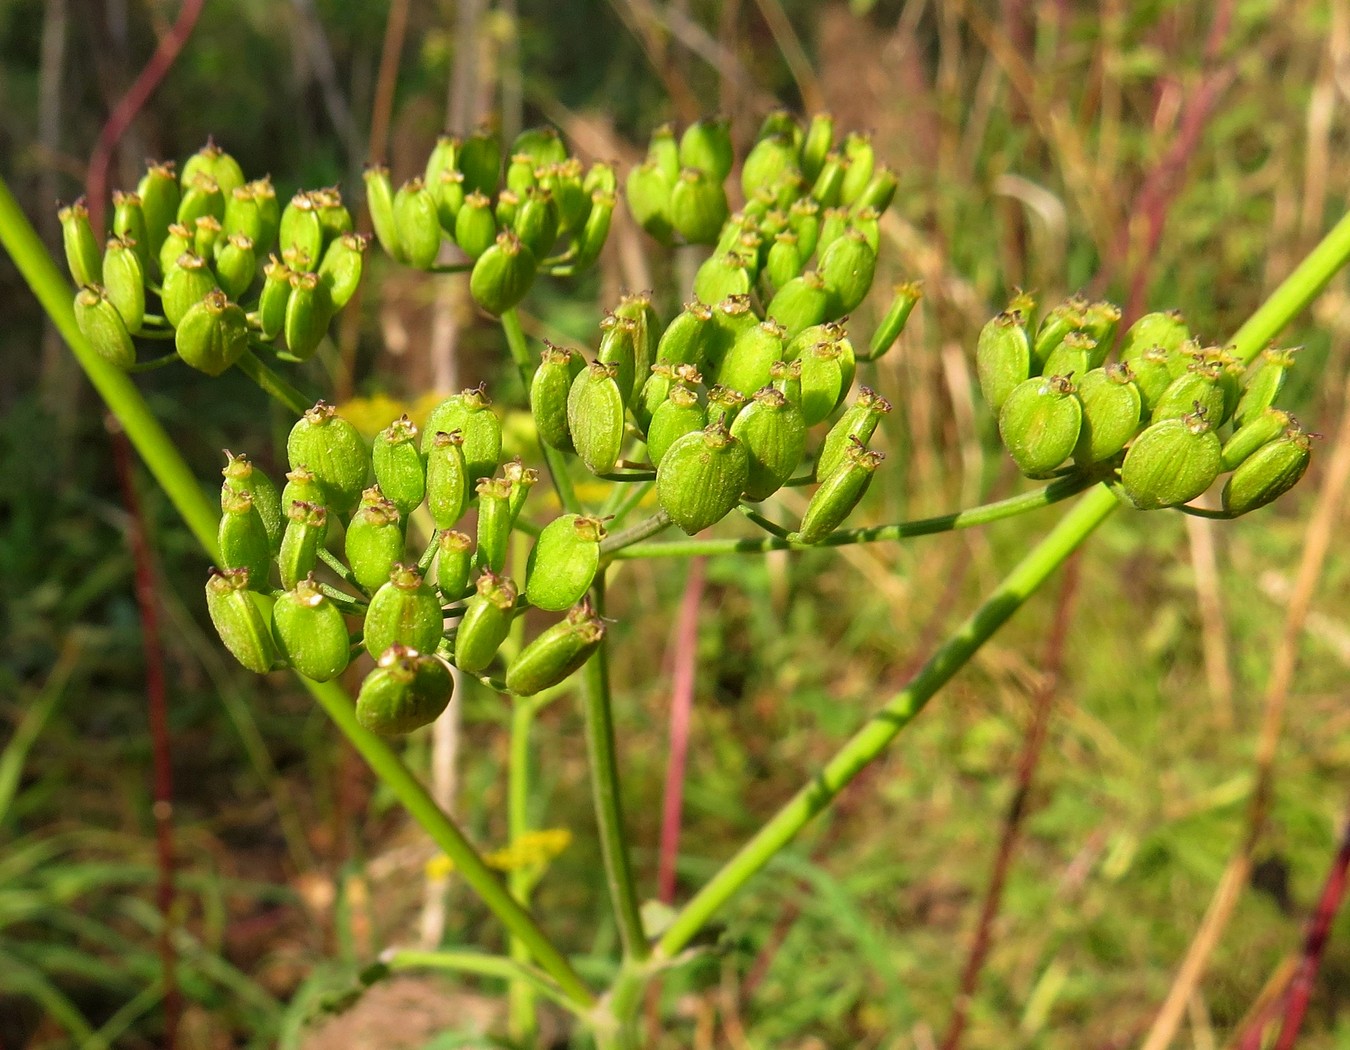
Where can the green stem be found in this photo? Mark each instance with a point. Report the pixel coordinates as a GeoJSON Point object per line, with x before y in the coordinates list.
{"type": "Point", "coordinates": [273, 385]}
{"type": "Point", "coordinates": [962, 519]}
{"type": "Point", "coordinates": [881, 729]}
{"type": "Point", "coordinates": [486, 965]}
{"type": "Point", "coordinates": [525, 363]}
{"type": "Point", "coordinates": [520, 880]}
{"type": "Point", "coordinates": [635, 533]}
{"type": "Point", "coordinates": [345, 574]}
{"type": "Point", "coordinates": [201, 516]}
{"type": "Point", "coordinates": [56, 295]}
{"type": "Point", "coordinates": [605, 792]}
{"type": "Point", "coordinates": [396, 776]}
{"type": "Point", "coordinates": [771, 527]}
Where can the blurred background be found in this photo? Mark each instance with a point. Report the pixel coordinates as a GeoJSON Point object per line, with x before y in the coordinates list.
{"type": "Point", "coordinates": [1108, 744]}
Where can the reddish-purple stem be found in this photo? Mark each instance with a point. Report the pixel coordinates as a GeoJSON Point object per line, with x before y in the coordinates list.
{"type": "Point", "coordinates": [96, 180]}
{"type": "Point", "coordinates": [1315, 944]}
{"type": "Point", "coordinates": [158, 710]}
{"type": "Point", "coordinates": [681, 705]}
{"type": "Point", "coordinates": [1032, 747]}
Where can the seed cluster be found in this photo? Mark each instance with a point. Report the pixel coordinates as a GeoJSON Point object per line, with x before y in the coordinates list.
{"type": "Point", "coordinates": [1165, 419]}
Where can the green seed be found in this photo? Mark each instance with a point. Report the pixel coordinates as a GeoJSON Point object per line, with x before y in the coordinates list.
{"type": "Point", "coordinates": [557, 653]}
{"type": "Point", "coordinates": [407, 690]}
{"type": "Point", "coordinates": [564, 562]}
{"type": "Point", "coordinates": [857, 424]}
{"type": "Point", "coordinates": [310, 632]}
{"type": "Point", "coordinates": [595, 410]}
{"type": "Point", "coordinates": [722, 276]}
{"type": "Point", "coordinates": [1002, 358]}
{"type": "Point", "coordinates": [342, 266]}
{"type": "Point", "coordinates": [1073, 357]}
{"type": "Point", "coordinates": [242, 617]}
{"type": "Point", "coordinates": [1198, 386]}
{"type": "Point", "coordinates": [1268, 473]}
{"type": "Point", "coordinates": [1171, 462]}
{"type": "Point", "coordinates": [698, 206]}
{"type": "Point", "coordinates": [306, 528]}
{"type": "Point", "coordinates": [186, 283]}
{"type": "Point", "coordinates": [302, 230]}
{"type": "Point", "coordinates": [124, 281]}
{"type": "Point", "coordinates": [537, 220]}
{"type": "Point", "coordinates": [680, 414]}
{"type": "Point", "coordinates": [406, 610]}
{"type": "Point", "coordinates": [1112, 409]}
{"type": "Point", "coordinates": [706, 145]}
{"type": "Point", "coordinates": [649, 189]}
{"type": "Point", "coordinates": [618, 347]}
{"type": "Point", "coordinates": [558, 367]}
{"type": "Point", "coordinates": [1166, 330]}
{"type": "Point", "coordinates": [480, 158]}
{"type": "Point", "coordinates": [213, 334]}
{"type": "Point", "coordinates": [475, 225]}
{"type": "Point", "coordinates": [685, 340]}
{"type": "Point", "coordinates": [333, 449]}
{"type": "Point", "coordinates": [1251, 435]}
{"type": "Point", "coordinates": [454, 560]}
{"type": "Point", "coordinates": [159, 194]}
{"type": "Point", "coordinates": [418, 223]}
{"type": "Point", "coordinates": [701, 477]}
{"type": "Point", "coordinates": [400, 469]}
{"type": "Point", "coordinates": [774, 435]}
{"type": "Point", "coordinates": [374, 543]}
{"type": "Point", "coordinates": [1264, 383]}
{"type": "Point", "coordinates": [101, 323]}
{"type": "Point", "coordinates": [826, 375]}
{"type": "Point", "coordinates": [594, 233]}
{"type": "Point", "coordinates": [847, 268]}
{"type": "Point", "coordinates": [1040, 423]}
{"type": "Point", "coordinates": [380, 203]}
{"type": "Point", "coordinates": [839, 493]}
{"type": "Point", "coordinates": [242, 476]}
{"type": "Point", "coordinates": [469, 412]}
{"type": "Point", "coordinates": [502, 274]}
{"type": "Point", "coordinates": [242, 537]}
{"type": "Point", "coordinates": [494, 522]}
{"type": "Point", "coordinates": [485, 624]}
{"type": "Point", "coordinates": [816, 144]}
{"type": "Point", "coordinates": [770, 161]}
{"type": "Point", "coordinates": [448, 479]}
{"type": "Point", "coordinates": [746, 366]}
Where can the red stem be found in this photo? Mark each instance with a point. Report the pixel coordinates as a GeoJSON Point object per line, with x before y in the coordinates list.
{"type": "Point", "coordinates": [96, 180]}
{"type": "Point", "coordinates": [1032, 748]}
{"type": "Point", "coordinates": [158, 710]}
{"type": "Point", "coordinates": [681, 706]}
{"type": "Point", "coordinates": [1315, 944]}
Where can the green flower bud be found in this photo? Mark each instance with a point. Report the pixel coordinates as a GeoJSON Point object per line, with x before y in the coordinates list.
{"type": "Point", "coordinates": [306, 529]}
{"type": "Point", "coordinates": [564, 562]}
{"type": "Point", "coordinates": [485, 623]}
{"type": "Point", "coordinates": [242, 476]}
{"type": "Point", "coordinates": [879, 191]}
{"type": "Point", "coordinates": [310, 633]}
{"type": "Point", "coordinates": [214, 161]}
{"type": "Point", "coordinates": [480, 158]}
{"type": "Point", "coordinates": [444, 157]}
{"type": "Point", "coordinates": [177, 240]}
{"type": "Point", "coordinates": [418, 223]}
{"type": "Point", "coordinates": [595, 410]}
{"type": "Point", "coordinates": [302, 486]}
{"type": "Point", "coordinates": [646, 333]}
{"type": "Point", "coordinates": [1167, 330]}
{"type": "Point", "coordinates": [374, 543]}
{"type": "Point", "coordinates": [405, 610]}
{"type": "Point", "coordinates": [746, 366]}
{"type": "Point", "coordinates": [649, 189]}
{"type": "Point", "coordinates": [838, 493]}
{"type": "Point", "coordinates": [558, 368]}
{"type": "Point", "coordinates": [201, 197]}
{"type": "Point", "coordinates": [400, 470]}
{"type": "Point", "coordinates": [847, 268]}
{"type": "Point", "coordinates": [454, 559]}
{"type": "Point", "coordinates": [828, 187]}
{"type": "Point", "coordinates": [333, 449]}
{"type": "Point", "coordinates": [804, 220]}
{"type": "Point", "coordinates": [158, 191]}
{"type": "Point", "coordinates": [1002, 358]}
{"type": "Point", "coordinates": [242, 537]}
{"type": "Point", "coordinates": [82, 255]}
{"type": "Point", "coordinates": [732, 316]}
{"type": "Point", "coordinates": [1112, 409]}
{"type": "Point", "coordinates": [242, 617]}
{"type": "Point", "coordinates": [275, 296]}
{"type": "Point", "coordinates": [407, 690]}
{"type": "Point", "coordinates": [557, 653]}
{"type": "Point", "coordinates": [698, 206]}
{"type": "Point", "coordinates": [212, 335]}
{"type": "Point", "coordinates": [1171, 462]}
{"type": "Point", "coordinates": [784, 261]}
{"type": "Point", "coordinates": [342, 266]}
{"type": "Point", "coordinates": [536, 222]}
{"type": "Point", "coordinates": [833, 225]}
{"type": "Point", "coordinates": [680, 414]}
{"type": "Point", "coordinates": [244, 215]}
{"type": "Point", "coordinates": [774, 435]}
{"type": "Point", "coordinates": [1199, 386]}
{"type": "Point", "coordinates": [701, 477]}
{"type": "Point", "coordinates": [1264, 383]}
{"type": "Point", "coordinates": [380, 202]}
{"type": "Point", "coordinates": [856, 425]}
{"type": "Point", "coordinates": [494, 522]}
{"type": "Point", "coordinates": [1039, 424]}
{"type": "Point", "coordinates": [503, 274]}
{"type": "Point", "coordinates": [101, 323]}
{"type": "Point", "coordinates": [308, 311]}
{"type": "Point", "coordinates": [593, 234]}
{"type": "Point", "coordinates": [1268, 473]}
{"type": "Point", "coordinates": [128, 223]}
{"type": "Point", "coordinates": [469, 412]}
{"type": "Point", "coordinates": [1251, 435]}
{"type": "Point", "coordinates": [685, 340]}
{"type": "Point", "coordinates": [449, 191]}
{"type": "Point", "coordinates": [706, 145]}
{"type": "Point", "coordinates": [721, 276]}
{"type": "Point", "coordinates": [1072, 357]}
{"type": "Point", "coordinates": [520, 174]}
{"type": "Point", "coordinates": [770, 162]}
{"type": "Point", "coordinates": [826, 376]}
{"type": "Point", "coordinates": [207, 234]}
{"type": "Point", "coordinates": [800, 303]}
{"type": "Point", "coordinates": [186, 283]}
{"type": "Point", "coordinates": [475, 225]}
{"type": "Point", "coordinates": [816, 144]}
{"type": "Point", "coordinates": [906, 297]}
{"type": "Point", "coordinates": [447, 478]}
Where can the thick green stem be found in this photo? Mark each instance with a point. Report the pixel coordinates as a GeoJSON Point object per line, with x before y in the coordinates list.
{"type": "Point", "coordinates": [520, 879]}
{"type": "Point", "coordinates": [964, 519]}
{"type": "Point", "coordinates": [526, 364]}
{"type": "Point", "coordinates": [604, 772]}
{"type": "Point", "coordinates": [201, 516]}
{"type": "Point", "coordinates": [881, 729]}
